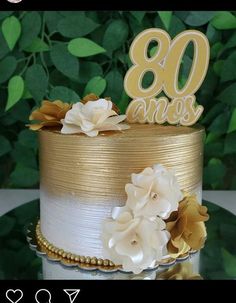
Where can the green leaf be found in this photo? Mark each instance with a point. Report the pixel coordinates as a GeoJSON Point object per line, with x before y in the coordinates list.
{"type": "Point", "coordinates": [6, 225]}
{"type": "Point", "coordinates": [38, 45]}
{"type": "Point", "coordinates": [4, 49]}
{"type": "Point", "coordinates": [135, 26]}
{"type": "Point", "coordinates": [214, 172]}
{"type": "Point", "coordinates": [88, 70]}
{"type": "Point", "coordinates": [57, 78]}
{"type": "Point", "coordinates": [11, 29]}
{"type": "Point", "coordinates": [232, 122]}
{"type": "Point", "coordinates": [114, 85]}
{"type": "Point", "coordinates": [212, 137]}
{"type": "Point", "coordinates": [24, 176]}
{"type": "Point", "coordinates": [7, 263]}
{"type": "Point", "coordinates": [28, 138]}
{"type": "Point", "coordinates": [220, 123]}
{"type": "Point", "coordinates": [76, 26]}
{"type": "Point", "coordinates": [64, 61]}
{"type": "Point", "coordinates": [96, 85]}
{"type": "Point", "coordinates": [230, 43]}
{"type": "Point", "coordinates": [31, 25]}
{"type": "Point", "coordinates": [8, 120]}
{"type": "Point", "coordinates": [24, 256]}
{"type": "Point", "coordinates": [215, 50]}
{"type": "Point", "coordinates": [213, 112]}
{"type": "Point", "coordinates": [7, 68]}
{"type": "Point", "coordinates": [15, 91]}
{"type": "Point", "coordinates": [77, 14]}
{"type": "Point", "coordinates": [139, 15]}
{"type": "Point", "coordinates": [26, 94]}
{"type": "Point", "coordinates": [52, 19]}
{"type": "Point", "coordinates": [147, 80]}
{"type": "Point", "coordinates": [5, 14]}
{"type": "Point", "coordinates": [214, 149]}
{"type": "Point", "coordinates": [83, 47]}
{"type": "Point", "coordinates": [94, 15]}
{"type": "Point", "coordinates": [123, 102]}
{"type": "Point", "coordinates": [228, 71]}
{"type": "Point", "coordinates": [229, 261]}
{"type": "Point", "coordinates": [157, 24]}
{"type": "Point", "coordinates": [176, 26]}
{"type": "Point", "coordinates": [224, 20]}
{"type": "Point", "coordinates": [36, 81]}
{"type": "Point", "coordinates": [210, 83]}
{"type": "Point", "coordinates": [65, 94]}
{"type": "Point", "coordinates": [213, 34]}
{"type": "Point", "coordinates": [21, 111]}
{"type": "Point", "coordinates": [198, 18]}
{"type": "Point", "coordinates": [24, 155]}
{"type": "Point", "coordinates": [218, 66]}
{"type": "Point", "coordinates": [5, 146]}
{"type": "Point", "coordinates": [115, 35]}
{"type": "Point", "coordinates": [165, 18]}
{"type": "Point", "coordinates": [228, 95]}
{"type": "Point", "coordinates": [26, 213]}
{"type": "Point", "coordinates": [230, 143]}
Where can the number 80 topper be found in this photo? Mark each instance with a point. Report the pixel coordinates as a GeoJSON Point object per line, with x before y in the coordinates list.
{"type": "Point", "coordinates": [165, 65]}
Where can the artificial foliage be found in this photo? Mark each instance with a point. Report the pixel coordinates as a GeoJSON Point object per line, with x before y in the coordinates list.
{"type": "Point", "coordinates": [66, 55]}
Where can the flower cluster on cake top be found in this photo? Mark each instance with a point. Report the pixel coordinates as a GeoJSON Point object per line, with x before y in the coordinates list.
{"type": "Point", "coordinates": [157, 222]}
{"type": "Point", "coordinates": [90, 116]}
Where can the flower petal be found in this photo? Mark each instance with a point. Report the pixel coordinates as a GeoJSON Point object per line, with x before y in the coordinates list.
{"type": "Point", "coordinates": [35, 126]}
{"type": "Point", "coordinates": [100, 103]}
{"type": "Point", "coordinates": [133, 251]}
{"type": "Point", "coordinates": [116, 119]}
{"type": "Point", "coordinates": [92, 133]}
{"type": "Point", "coordinates": [70, 128]}
{"type": "Point", "coordinates": [101, 116]}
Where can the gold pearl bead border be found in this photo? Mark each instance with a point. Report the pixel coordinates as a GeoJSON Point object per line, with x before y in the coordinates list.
{"type": "Point", "coordinates": [85, 260]}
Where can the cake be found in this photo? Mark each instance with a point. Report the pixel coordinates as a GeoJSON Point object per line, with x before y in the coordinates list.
{"type": "Point", "coordinates": [84, 178]}
{"type": "Point", "coordinates": [117, 192]}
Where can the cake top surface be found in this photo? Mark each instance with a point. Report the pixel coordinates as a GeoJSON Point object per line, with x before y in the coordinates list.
{"type": "Point", "coordinates": [142, 131]}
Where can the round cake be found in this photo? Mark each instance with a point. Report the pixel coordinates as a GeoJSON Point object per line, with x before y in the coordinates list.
{"type": "Point", "coordinates": [84, 178]}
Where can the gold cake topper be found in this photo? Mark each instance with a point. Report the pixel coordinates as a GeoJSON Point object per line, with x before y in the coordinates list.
{"type": "Point", "coordinates": [165, 66]}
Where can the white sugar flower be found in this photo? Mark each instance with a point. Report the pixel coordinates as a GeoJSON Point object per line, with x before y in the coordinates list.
{"type": "Point", "coordinates": [153, 192]}
{"type": "Point", "coordinates": [91, 118]}
{"type": "Point", "coordinates": [136, 243]}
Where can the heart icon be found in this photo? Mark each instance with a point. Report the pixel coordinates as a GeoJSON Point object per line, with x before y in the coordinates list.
{"type": "Point", "coordinates": [14, 296]}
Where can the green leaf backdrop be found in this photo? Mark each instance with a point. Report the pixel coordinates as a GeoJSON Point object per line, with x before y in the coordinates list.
{"type": "Point", "coordinates": [63, 55]}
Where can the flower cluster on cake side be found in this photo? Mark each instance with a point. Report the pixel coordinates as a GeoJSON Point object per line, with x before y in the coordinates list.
{"type": "Point", "coordinates": [157, 222]}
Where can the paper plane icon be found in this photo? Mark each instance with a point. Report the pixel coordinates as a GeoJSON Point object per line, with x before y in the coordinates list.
{"type": "Point", "coordinates": [72, 293]}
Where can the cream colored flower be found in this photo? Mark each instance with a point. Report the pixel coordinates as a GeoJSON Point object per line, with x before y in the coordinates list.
{"type": "Point", "coordinates": [153, 192]}
{"type": "Point", "coordinates": [93, 97]}
{"type": "Point", "coordinates": [136, 243]}
{"type": "Point", "coordinates": [92, 118]}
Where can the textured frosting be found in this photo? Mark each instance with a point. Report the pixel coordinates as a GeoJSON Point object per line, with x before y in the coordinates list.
{"type": "Point", "coordinates": [83, 178]}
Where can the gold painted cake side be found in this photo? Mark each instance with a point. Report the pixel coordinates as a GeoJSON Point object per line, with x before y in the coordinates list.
{"type": "Point", "coordinates": [100, 167]}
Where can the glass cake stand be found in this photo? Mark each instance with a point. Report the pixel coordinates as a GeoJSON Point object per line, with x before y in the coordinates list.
{"type": "Point", "coordinates": [217, 260]}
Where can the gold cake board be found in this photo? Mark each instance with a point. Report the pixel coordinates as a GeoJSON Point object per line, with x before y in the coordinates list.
{"type": "Point", "coordinates": [42, 251]}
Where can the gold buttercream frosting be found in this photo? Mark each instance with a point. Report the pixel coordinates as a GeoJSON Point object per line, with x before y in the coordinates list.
{"type": "Point", "coordinates": [100, 167]}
